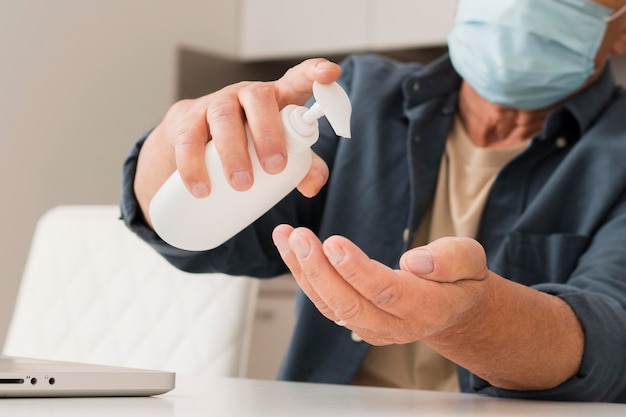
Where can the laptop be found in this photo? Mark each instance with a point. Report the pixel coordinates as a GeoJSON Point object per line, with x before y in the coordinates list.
{"type": "Point", "coordinates": [25, 377]}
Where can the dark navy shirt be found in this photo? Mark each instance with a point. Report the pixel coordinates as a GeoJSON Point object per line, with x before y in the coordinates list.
{"type": "Point", "coordinates": [555, 218]}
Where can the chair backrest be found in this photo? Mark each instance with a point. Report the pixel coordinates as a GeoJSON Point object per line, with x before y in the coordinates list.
{"type": "Point", "coordinates": [92, 291]}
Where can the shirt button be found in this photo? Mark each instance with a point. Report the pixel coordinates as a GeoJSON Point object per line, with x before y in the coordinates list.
{"type": "Point", "coordinates": [448, 111]}
{"type": "Point", "coordinates": [405, 235]}
{"type": "Point", "coordinates": [355, 338]}
{"type": "Point", "coordinates": [561, 142]}
{"type": "Point", "coordinates": [417, 138]}
{"type": "Point", "coordinates": [416, 86]}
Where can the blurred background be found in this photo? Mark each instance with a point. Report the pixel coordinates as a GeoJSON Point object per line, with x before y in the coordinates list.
{"type": "Point", "coordinates": [81, 80]}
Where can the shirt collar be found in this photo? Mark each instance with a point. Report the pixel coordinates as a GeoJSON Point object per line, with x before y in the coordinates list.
{"type": "Point", "coordinates": [583, 109]}
{"type": "Point", "coordinates": [435, 79]}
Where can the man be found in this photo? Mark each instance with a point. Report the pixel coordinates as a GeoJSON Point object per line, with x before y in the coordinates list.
{"type": "Point", "coordinates": [477, 215]}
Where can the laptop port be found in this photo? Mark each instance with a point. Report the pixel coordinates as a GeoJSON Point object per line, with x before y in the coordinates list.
{"type": "Point", "coordinates": [11, 380]}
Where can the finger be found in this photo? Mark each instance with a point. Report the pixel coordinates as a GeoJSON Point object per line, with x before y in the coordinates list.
{"type": "Point", "coordinates": [447, 260]}
{"type": "Point", "coordinates": [189, 134]}
{"type": "Point", "coordinates": [227, 129]}
{"type": "Point", "coordinates": [340, 301]}
{"type": "Point", "coordinates": [316, 178]}
{"type": "Point", "coordinates": [296, 86]}
{"type": "Point", "coordinates": [343, 302]}
{"type": "Point", "coordinates": [372, 280]}
{"type": "Point", "coordinates": [393, 292]}
{"type": "Point", "coordinates": [281, 236]}
{"type": "Point", "coordinates": [264, 125]}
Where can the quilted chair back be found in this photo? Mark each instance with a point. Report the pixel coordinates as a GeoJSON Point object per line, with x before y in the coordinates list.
{"type": "Point", "coordinates": [92, 291]}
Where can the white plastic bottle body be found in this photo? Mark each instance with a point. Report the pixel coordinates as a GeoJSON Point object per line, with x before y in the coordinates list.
{"type": "Point", "coordinates": [197, 224]}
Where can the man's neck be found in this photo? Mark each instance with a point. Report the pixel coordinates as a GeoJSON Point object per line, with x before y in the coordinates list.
{"type": "Point", "coordinates": [493, 126]}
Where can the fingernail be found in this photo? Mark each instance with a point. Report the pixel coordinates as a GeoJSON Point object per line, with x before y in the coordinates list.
{"type": "Point", "coordinates": [241, 179]}
{"type": "Point", "coordinates": [199, 189]}
{"type": "Point", "coordinates": [340, 323]}
{"type": "Point", "coordinates": [334, 252]}
{"type": "Point", "coordinates": [419, 261]}
{"type": "Point", "coordinates": [300, 245]}
{"type": "Point", "coordinates": [356, 338]}
{"type": "Point", "coordinates": [282, 244]}
{"type": "Point", "coordinates": [274, 164]}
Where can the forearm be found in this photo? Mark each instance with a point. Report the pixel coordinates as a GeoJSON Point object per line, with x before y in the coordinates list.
{"type": "Point", "coordinates": [518, 338]}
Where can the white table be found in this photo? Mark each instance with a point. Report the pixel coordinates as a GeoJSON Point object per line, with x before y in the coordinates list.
{"type": "Point", "coordinates": [245, 397]}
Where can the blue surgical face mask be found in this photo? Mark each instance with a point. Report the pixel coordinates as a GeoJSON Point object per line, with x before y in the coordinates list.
{"type": "Point", "coordinates": [527, 54]}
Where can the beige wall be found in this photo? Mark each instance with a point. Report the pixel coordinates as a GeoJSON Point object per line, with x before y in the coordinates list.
{"type": "Point", "coordinates": [79, 81]}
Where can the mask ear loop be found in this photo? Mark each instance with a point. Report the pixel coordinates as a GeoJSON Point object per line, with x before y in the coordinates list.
{"type": "Point", "coordinates": [616, 14]}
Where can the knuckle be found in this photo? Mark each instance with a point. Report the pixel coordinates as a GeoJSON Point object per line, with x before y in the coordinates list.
{"type": "Point", "coordinates": [183, 135]}
{"type": "Point", "coordinates": [256, 92]}
{"type": "Point", "coordinates": [386, 296]}
{"type": "Point", "coordinates": [177, 121]}
{"type": "Point", "coordinates": [347, 311]}
{"type": "Point", "coordinates": [350, 271]}
{"type": "Point", "coordinates": [224, 112]}
{"type": "Point", "coordinates": [183, 139]}
{"type": "Point", "coordinates": [324, 309]}
{"type": "Point", "coordinates": [181, 106]}
{"type": "Point", "coordinates": [314, 273]}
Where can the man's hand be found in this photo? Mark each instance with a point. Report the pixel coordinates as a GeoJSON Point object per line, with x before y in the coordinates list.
{"type": "Point", "coordinates": [179, 141]}
{"type": "Point", "coordinates": [424, 299]}
{"type": "Point", "coordinates": [443, 294]}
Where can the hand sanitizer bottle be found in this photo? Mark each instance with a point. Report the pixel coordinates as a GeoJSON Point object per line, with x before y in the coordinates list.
{"type": "Point", "coordinates": [197, 224]}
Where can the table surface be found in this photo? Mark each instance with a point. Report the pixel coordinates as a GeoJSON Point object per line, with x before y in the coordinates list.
{"type": "Point", "coordinates": [246, 397]}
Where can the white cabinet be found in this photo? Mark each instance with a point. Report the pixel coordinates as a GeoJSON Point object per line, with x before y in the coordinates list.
{"type": "Point", "coordinates": [275, 28]}
{"type": "Point", "coordinates": [251, 30]}
{"type": "Point", "coordinates": [401, 24]}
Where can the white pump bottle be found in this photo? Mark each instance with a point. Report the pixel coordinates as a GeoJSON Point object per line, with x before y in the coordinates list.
{"type": "Point", "coordinates": [197, 224]}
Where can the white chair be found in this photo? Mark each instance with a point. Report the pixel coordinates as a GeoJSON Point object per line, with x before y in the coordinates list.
{"type": "Point", "coordinates": [93, 292]}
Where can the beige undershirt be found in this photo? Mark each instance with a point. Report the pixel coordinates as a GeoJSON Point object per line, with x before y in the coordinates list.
{"type": "Point", "coordinates": [465, 178]}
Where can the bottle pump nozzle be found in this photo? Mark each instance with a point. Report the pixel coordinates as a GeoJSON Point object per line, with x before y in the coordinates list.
{"type": "Point", "coordinates": [333, 102]}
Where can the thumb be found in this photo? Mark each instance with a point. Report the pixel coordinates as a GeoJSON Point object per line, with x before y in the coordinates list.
{"type": "Point", "coordinates": [296, 85]}
{"type": "Point", "coordinates": [447, 259]}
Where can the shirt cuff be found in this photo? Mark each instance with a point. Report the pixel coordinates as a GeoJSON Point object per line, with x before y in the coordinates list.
{"type": "Point", "coordinates": [129, 206]}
